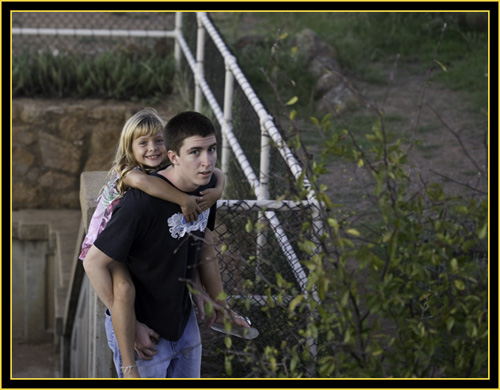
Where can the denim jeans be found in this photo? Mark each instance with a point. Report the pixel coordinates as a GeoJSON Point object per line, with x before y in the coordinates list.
{"type": "Point", "coordinates": [175, 359]}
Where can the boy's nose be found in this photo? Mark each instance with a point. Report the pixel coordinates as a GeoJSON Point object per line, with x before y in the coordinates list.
{"type": "Point", "coordinates": [206, 160]}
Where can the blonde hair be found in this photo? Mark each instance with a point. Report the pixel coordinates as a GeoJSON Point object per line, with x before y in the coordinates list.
{"type": "Point", "coordinates": [146, 122]}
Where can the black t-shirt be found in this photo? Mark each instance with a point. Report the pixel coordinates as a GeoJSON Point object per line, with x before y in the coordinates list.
{"type": "Point", "coordinates": [161, 250]}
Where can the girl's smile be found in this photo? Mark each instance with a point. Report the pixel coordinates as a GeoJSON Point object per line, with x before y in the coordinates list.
{"type": "Point", "coordinates": [149, 150]}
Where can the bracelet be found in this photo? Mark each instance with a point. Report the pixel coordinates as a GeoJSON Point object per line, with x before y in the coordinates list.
{"type": "Point", "coordinates": [127, 369]}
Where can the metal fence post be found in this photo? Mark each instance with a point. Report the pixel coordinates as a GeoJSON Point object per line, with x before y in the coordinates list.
{"type": "Point", "coordinates": [265, 154]}
{"type": "Point", "coordinates": [200, 54]}
{"type": "Point", "coordinates": [177, 47]}
{"type": "Point", "coordinates": [228, 117]}
{"type": "Point", "coordinates": [265, 158]}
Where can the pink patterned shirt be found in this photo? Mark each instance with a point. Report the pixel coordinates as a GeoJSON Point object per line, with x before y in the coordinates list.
{"type": "Point", "coordinates": [107, 201]}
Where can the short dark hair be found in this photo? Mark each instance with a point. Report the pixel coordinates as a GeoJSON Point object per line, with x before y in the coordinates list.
{"type": "Point", "coordinates": [185, 125]}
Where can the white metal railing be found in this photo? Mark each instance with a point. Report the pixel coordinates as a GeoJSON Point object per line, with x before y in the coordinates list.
{"type": "Point", "coordinates": [268, 130]}
{"type": "Point", "coordinates": [86, 32]}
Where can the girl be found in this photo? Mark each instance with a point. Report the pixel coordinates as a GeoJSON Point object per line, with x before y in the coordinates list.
{"type": "Point", "coordinates": [141, 150]}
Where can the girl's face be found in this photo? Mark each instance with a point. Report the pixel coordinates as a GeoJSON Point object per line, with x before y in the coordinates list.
{"type": "Point", "coordinates": [149, 150]}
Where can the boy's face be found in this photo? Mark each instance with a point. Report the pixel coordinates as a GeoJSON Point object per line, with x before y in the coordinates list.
{"type": "Point", "coordinates": [195, 162]}
{"type": "Point", "coordinates": [149, 150]}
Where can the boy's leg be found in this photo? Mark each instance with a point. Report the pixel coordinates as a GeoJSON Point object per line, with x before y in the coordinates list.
{"type": "Point", "coordinates": [155, 368]}
{"type": "Point", "coordinates": [123, 317]}
{"type": "Point", "coordinates": [113, 345]}
{"type": "Point", "coordinates": [186, 360]}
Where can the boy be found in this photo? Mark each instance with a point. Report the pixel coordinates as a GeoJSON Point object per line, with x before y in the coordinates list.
{"type": "Point", "coordinates": [162, 252]}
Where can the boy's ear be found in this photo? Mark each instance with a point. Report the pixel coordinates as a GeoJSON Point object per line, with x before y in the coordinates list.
{"type": "Point", "coordinates": [172, 156]}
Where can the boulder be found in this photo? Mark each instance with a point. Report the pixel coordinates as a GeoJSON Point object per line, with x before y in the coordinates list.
{"type": "Point", "coordinates": [332, 92]}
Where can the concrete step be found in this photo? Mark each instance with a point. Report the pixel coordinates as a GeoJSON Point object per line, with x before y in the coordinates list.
{"type": "Point", "coordinates": [45, 273]}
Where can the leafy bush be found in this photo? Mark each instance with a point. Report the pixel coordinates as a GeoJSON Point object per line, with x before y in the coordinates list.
{"type": "Point", "coordinates": [111, 75]}
{"type": "Point", "coordinates": [398, 291]}
{"type": "Point", "coordinates": [402, 292]}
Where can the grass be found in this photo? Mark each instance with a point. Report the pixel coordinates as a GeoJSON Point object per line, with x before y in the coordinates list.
{"type": "Point", "coordinates": [366, 45]}
{"type": "Point", "coordinates": [364, 42]}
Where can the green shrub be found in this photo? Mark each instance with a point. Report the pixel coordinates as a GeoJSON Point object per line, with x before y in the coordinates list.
{"type": "Point", "coordinates": [397, 288]}
{"type": "Point", "coordinates": [110, 75]}
{"type": "Point", "coordinates": [401, 292]}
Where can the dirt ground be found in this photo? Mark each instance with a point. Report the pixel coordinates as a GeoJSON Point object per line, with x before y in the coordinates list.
{"type": "Point", "coordinates": [34, 360]}
{"type": "Point", "coordinates": [42, 360]}
{"type": "Point", "coordinates": [452, 138]}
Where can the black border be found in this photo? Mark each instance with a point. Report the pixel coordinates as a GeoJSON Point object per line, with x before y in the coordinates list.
{"type": "Point", "coordinates": [246, 6]}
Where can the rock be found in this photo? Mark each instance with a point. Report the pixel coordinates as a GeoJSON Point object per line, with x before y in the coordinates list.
{"type": "Point", "coordinates": [31, 113]}
{"type": "Point", "coordinates": [54, 141]}
{"type": "Point", "coordinates": [59, 154]}
{"type": "Point", "coordinates": [24, 161]}
{"type": "Point", "coordinates": [322, 58]}
{"type": "Point", "coordinates": [25, 195]}
{"type": "Point", "coordinates": [332, 92]}
{"type": "Point", "coordinates": [57, 181]}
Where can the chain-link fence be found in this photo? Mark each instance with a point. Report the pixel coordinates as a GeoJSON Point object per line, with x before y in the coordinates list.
{"type": "Point", "coordinates": [255, 254]}
{"type": "Point", "coordinates": [257, 244]}
{"type": "Point", "coordinates": [53, 31]}
{"type": "Point", "coordinates": [256, 258]}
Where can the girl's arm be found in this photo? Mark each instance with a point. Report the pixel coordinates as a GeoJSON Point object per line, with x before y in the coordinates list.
{"type": "Point", "coordinates": [159, 188]}
{"type": "Point", "coordinates": [212, 195]}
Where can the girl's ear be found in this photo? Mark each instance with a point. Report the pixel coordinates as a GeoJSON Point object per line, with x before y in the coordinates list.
{"type": "Point", "coordinates": [172, 156]}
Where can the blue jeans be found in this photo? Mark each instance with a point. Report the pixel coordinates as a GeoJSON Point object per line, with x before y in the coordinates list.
{"type": "Point", "coordinates": [175, 359]}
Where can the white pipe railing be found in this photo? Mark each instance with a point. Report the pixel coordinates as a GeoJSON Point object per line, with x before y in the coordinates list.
{"type": "Point", "coordinates": [228, 119]}
{"type": "Point", "coordinates": [93, 32]}
{"type": "Point", "coordinates": [265, 118]}
{"type": "Point", "coordinates": [177, 48]}
{"type": "Point", "coordinates": [233, 142]}
{"type": "Point", "coordinates": [200, 58]}
{"type": "Point", "coordinates": [267, 129]}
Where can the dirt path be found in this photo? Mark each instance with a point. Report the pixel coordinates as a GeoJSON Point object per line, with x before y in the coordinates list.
{"type": "Point", "coordinates": [451, 148]}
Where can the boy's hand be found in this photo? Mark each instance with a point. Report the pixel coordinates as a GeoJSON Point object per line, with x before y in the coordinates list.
{"type": "Point", "coordinates": [232, 317]}
{"type": "Point", "coordinates": [145, 341]}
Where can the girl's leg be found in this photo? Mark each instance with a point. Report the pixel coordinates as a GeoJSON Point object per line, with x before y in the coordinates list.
{"type": "Point", "coordinates": [123, 317]}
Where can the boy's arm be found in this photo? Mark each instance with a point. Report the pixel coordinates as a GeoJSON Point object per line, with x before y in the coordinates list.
{"type": "Point", "coordinates": [209, 274]}
{"type": "Point", "coordinates": [211, 195]}
{"type": "Point", "coordinates": [208, 268]}
{"type": "Point", "coordinates": [159, 188]}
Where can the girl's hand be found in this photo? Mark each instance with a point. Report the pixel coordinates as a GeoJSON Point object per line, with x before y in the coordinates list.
{"type": "Point", "coordinates": [145, 341]}
{"type": "Point", "coordinates": [207, 199]}
{"type": "Point", "coordinates": [190, 208]}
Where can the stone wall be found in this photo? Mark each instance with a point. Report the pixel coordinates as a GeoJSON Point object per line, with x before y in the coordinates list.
{"type": "Point", "coordinates": [54, 141]}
